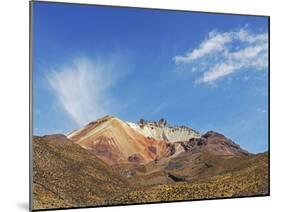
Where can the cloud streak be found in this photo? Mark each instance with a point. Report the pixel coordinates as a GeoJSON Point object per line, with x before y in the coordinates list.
{"type": "Point", "coordinates": [82, 88]}
{"type": "Point", "coordinates": [224, 53]}
{"type": "Point", "coordinates": [215, 43]}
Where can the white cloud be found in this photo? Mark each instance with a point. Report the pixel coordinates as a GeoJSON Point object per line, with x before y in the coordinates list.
{"type": "Point", "coordinates": [218, 71]}
{"type": "Point", "coordinates": [226, 53]}
{"type": "Point", "coordinates": [214, 43]}
{"type": "Point", "coordinates": [244, 36]}
{"type": "Point", "coordinates": [81, 88]}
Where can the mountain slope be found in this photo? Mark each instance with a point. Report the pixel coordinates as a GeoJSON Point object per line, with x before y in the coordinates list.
{"type": "Point", "coordinates": [115, 142]}
{"type": "Point", "coordinates": [249, 178]}
{"type": "Point", "coordinates": [66, 175]}
{"type": "Point", "coordinates": [210, 155]}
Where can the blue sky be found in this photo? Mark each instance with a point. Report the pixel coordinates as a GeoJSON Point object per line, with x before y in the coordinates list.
{"type": "Point", "coordinates": [206, 71]}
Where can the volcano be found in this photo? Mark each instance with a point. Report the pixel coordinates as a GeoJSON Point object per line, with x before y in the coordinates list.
{"type": "Point", "coordinates": [111, 161]}
{"type": "Point", "coordinates": [118, 142]}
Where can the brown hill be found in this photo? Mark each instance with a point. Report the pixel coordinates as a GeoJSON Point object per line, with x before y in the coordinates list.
{"type": "Point", "coordinates": [66, 175]}
{"type": "Point", "coordinates": [209, 155]}
{"type": "Point", "coordinates": [248, 177]}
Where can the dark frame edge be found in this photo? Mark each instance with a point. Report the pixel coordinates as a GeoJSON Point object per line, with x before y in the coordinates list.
{"type": "Point", "coordinates": [30, 106]}
{"type": "Point", "coordinates": [136, 7]}
{"type": "Point", "coordinates": [268, 120]}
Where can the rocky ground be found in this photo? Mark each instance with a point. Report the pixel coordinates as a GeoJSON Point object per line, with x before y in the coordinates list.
{"type": "Point", "coordinates": [249, 179]}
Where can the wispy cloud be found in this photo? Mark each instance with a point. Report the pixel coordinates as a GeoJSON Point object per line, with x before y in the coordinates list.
{"type": "Point", "coordinates": [260, 110]}
{"type": "Point", "coordinates": [82, 88]}
{"type": "Point", "coordinates": [223, 53]}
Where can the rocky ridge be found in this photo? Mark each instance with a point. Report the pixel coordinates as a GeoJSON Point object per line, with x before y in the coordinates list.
{"type": "Point", "coordinates": [161, 130]}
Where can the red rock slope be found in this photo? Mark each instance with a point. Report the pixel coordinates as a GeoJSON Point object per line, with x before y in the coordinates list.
{"type": "Point", "coordinates": [115, 142]}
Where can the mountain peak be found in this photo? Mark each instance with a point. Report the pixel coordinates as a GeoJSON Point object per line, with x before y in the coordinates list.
{"type": "Point", "coordinates": [161, 123]}
{"type": "Point", "coordinates": [102, 119]}
{"type": "Point", "coordinates": [212, 134]}
{"type": "Point", "coordinates": [161, 130]}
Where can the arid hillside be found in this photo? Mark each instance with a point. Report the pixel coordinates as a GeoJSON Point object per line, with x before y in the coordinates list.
{"type": "Point", "coordinates": [249, 177]}
{"type": "Point", "coordinates": [109, 162]}
{"type": "Point", "coordinates": [66, 175]}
